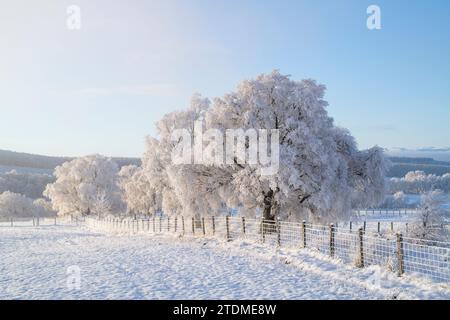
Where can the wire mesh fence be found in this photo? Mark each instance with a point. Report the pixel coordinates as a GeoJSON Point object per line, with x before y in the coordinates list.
{"type": "Point", "coordinates": [34, 221]}
{"type": "Point", "coordinates": [351, 245]}
{"type": "Point", "coordinates": [396, 212]}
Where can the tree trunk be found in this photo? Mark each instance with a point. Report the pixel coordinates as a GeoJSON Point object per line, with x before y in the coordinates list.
{"type": "Point", "coordinates": [268, 213]}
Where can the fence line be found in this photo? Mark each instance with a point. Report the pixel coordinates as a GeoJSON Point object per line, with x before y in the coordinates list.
{"type": "Point", "coordinates": [396, 212]}
{"type": "Point", "coordinates": [37, 221]}
{"type": "Point", "coordinates": [357, 246]}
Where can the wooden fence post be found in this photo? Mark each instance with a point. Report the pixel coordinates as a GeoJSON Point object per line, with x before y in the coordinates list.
{"type": "Point", "coordinates": [213, 220]}
{"type": "Point", "coordinates": [263, 237]}
{"type": "Point", "coordinates": [193, 226]}
{"type": "Point", "coordinates": [227, 220]}
{"type": "Point", "coordinates": [182, 224]}
{"type": "Point", "coordinates": [378, 226]}
{"type": "Point", "coordinates": [400, 254]}
{"type": "Point", "coordinates": [304, 233]}
{"type": "Point", "coordinates": [364, 225]}
{"type": "Point", "coordinates": [406, 228]}
{"type": "Point", "coordinates": [55, 221]}
{"type": "Point", "coordinates": [176, 220]}
{"type": "Point", "coordinates": [34, 224]}
{"type": "Point", "coordinates": [392, 226]}
{"type": "Point", "coordinates": [243, 225]}
{"type": "Point", "coordinates": [278, 226]}
{"type": "Point", "coordinates": [168, 224]}
{"type": "Point", "coordinates": [332, 240]}
{"type": "Point", "coordinates": [160, 224]}
{"type": "Point", "coordinates": [350, 226]}
{"type": "Point", "coordinates": [203, 226]}
{"type": "Point", "coordinates": [361, 248]}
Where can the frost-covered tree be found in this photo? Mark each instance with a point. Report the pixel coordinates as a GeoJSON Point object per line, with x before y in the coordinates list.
{"type": "Point", "coordinates": [86, 185]}
{"type": "Point", "coordinates": [139, 195]}
{"type": "Point", "coordinates": [418, 182]}
{"type": "Point", "coordinates": [320, 171]}
{"type": "Point", "coordinates": [43, 208]}
{"type": "Point", "coordinates": [395, 201]}
{"type": "Point", "coordinates": [31, 185]}
{"type": "Point", "coordinates": [157, 162]}
{"type": "Point", "coordinates": [431, 216]}
{"type": "Point", "coordinates": [16, 205]}
{"type": "Point", "coordinates": [399, 199]}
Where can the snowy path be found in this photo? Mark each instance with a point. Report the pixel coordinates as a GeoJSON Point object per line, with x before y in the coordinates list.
{"type": "Point", "coordinates": [34, 262]}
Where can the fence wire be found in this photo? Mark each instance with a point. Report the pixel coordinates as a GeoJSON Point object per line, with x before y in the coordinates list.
{"type": "Point", "coordinates": [356, 246]}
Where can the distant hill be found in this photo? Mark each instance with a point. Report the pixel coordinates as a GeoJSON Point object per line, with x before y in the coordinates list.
{"type": "Point", "coordinates": [32, 162]}
{"type": "Point", "coordinates": [402, 165]}
{"type": "Point", "coordinates": [21, 162]}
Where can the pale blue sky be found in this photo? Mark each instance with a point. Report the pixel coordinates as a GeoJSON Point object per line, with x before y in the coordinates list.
{"type": "Point", "coordinates": [100, 89]}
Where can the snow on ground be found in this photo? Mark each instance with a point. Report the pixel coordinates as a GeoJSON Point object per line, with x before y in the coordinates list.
{"type": "Point", "coordinates": [34, 264]}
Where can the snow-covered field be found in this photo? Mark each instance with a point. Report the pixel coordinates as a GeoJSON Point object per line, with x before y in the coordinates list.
{"type": "Point", "coordinates": [34, 264]}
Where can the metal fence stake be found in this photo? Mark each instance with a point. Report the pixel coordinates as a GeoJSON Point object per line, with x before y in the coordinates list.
{"type": "Point", "coordinates": [361, 248]}
{"type": "Point", "coordinates": [400, 261]}
{"type": "Point", "coordinates": [278, 226]}
{"type": "Point", "coordinates": [176, 220]}
{"type": "Point", "coordinates": [263, 237]}
{"type": "Point", "coordinates": [332, 240]}
{"type": "Point", "coordinates": [304, 233]}
{"type": "Point", "coordinates": [182, 224]}
{"type": "Point", "coordinates": [227, 219]}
